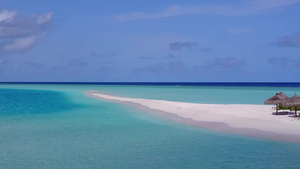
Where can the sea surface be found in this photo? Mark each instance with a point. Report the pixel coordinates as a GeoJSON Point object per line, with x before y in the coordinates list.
{"type": "Point", "coordinates": [57, 126]}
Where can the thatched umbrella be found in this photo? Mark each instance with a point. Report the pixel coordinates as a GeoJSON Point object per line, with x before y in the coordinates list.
{"type": "Point", "coordinates": [281, 94]}
{"type": "Point", "coordinates": [293, 101]}
{"type": "Point", "coordinates": [279, 98]}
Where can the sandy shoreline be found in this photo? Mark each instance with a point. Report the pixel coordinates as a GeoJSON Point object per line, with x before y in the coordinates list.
{"type": "Point", "coordinates": [252, 120]}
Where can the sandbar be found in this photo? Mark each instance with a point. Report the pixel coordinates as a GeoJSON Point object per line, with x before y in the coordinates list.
{"type": "Point", "coordinates": [243, 119]}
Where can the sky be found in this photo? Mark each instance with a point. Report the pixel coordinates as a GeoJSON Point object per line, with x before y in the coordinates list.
{"type": "Point", "coordinates": [150, 41]}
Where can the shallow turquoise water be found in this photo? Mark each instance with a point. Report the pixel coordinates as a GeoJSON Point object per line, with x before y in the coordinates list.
{"type": "Point", "coordinates": [196, 94]}
{"type": "Point", "coordinates": [74, 131]}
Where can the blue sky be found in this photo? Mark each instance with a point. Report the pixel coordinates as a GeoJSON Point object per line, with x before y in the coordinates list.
{"type": "Point", "coordinates": [149, 41]}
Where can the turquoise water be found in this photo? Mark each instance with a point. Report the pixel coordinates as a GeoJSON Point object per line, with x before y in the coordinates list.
{"type": "Point", "coordinates": [57, 126]}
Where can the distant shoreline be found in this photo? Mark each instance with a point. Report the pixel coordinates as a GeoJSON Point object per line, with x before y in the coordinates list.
{"type": "Point", "coordinates": [251, 120]}
{"type": "Point", "coordinates": [217, 84]}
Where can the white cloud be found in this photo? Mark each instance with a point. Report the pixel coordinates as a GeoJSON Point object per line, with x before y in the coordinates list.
{"type": "Point", "coordinates": [227, 63]}
{"type": "Point", "coordinates": [269, 4]}
{"type": "Point", "coordinates": [19, 32]}
{"type": "Point", "coordinates": [181, 45]}
{"type": "Point", "coordinates": [44, 18]}
{"type": "Point", "coordinates": [248, 7]}
{"type": "Point", "coordinates": [7, 16]}
{"type": "Point", "coordinates": [292, 40]}
{"type": "Point", "coordinates": [285, 62]}
{"type": "Point", "coordinates": [21, 44]}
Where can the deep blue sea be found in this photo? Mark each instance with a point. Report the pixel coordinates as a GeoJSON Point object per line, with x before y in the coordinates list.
{"type": "Point", "coordinates": [55, 126]}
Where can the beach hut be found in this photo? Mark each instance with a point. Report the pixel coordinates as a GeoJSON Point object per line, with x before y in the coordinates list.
{"type": "Point", "coordinates": [279, 98]}
{"type": "Point", "coordinates": [293, 101]}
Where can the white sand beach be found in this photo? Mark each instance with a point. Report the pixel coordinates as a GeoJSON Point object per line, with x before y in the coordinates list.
{"type": "Point", "coordinates": [252, 120]}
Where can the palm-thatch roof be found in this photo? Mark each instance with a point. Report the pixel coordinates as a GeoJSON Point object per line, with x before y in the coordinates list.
{"type": "Point", "coordinates": [281, 94]}
{"type": "Point", "coordinates": [293, 102]}
{"type": "Point", "coordinates": [279, 98]}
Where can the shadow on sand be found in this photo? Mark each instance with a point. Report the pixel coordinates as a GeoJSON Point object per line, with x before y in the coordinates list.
{"type": "Point", "coordinates": [285, 112]}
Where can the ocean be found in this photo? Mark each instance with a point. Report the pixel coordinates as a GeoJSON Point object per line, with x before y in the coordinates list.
{"type": "Point", "coordinates": [56, 126]}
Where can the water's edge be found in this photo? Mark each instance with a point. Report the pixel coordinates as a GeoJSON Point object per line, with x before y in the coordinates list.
{"type": "Point", "coordinates": [216, 126]}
